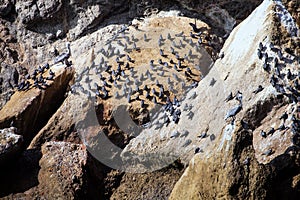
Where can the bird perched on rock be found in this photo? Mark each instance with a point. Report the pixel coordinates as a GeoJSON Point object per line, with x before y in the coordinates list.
{"type": "Point", "coordinates": [239, 96]}
{"type": "Point", "coordinates": [284, 116]}
{"type": "Point", "coordinates": [232, 112]}
{"type": "Point", "coordinates": [229, 97]}
{"type": "Point", "coordinates": [194, 26]}
{"type": "Point", "coordinates": [259, 89]}
{"type": "Point", "coordinates": [64, 56]}
{"type": "Point", "coordinates": [268, 152]}
{"type": "Point", "coordinates": [263, 134]}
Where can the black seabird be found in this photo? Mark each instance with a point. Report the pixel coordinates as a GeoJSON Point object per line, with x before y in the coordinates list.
{"type": "Point", "coordinates": [259, 54]}
{"type": "Point", "coordinates": [239, 96]}
{"type": "Point", "coordinates": [232, 112]}
{"type": "Point", "coordinates": [284, 116]}
{"type": "Point", "coordinates": [130, 59]}
{"type": "Point", "coordinates": [229, 97]}
{"type": "Point", "coordinates": [169, 37]}
{"type": "Point", "coordinates": [259, 89]}
{"type": "Point", "coordinates": [161, 52]}
{"type": "Point", "coordinates": [193, 35]}
{"type": "Point", "coordinates": [194, 26]}
{"type": "Point", "coordinates": [179, 34]}
{"type": "Point", "coordinates": [271, 131]}
{"type": "Point", "coordinates": [64, 56]}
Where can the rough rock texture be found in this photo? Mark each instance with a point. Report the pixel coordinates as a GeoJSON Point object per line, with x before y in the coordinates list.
{"type": "Point", "coordinates": [10, 144]}
{"type": "Point", "coordinates": [62, 173]}
{"type": "Point", "coordinates": [29, 110]}
{"type": "Point", "coordinates": [29, 25]}
{"type": "Point", "coordinates": [239, 155]}
{"type": "Point", "coordinates": [155, 185]}
{"type": "Point", "coordinates": [61, 18]}
{"type": "Point", "coordinates": [232, 161]}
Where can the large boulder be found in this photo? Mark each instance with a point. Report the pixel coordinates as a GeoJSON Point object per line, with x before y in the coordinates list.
{"type": "Point", "coordinates": [62, 174]}
{"type": "Point", "coordinates": [244, 162]}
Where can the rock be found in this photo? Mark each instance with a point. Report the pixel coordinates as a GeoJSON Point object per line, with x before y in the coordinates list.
{"type": "Point", "coordinates": [231, 12]}
{"type": "Point", "coordinates": [154, 185]}
{"type": "Point", "coordinates": [9, 77]}
{"type": "Point", "coordinates": [60, 126]}
{"type": "Point", "coordinates": [29, 110]}
{"type": "Point", "coordinates": [224, 159]}
{"type": "Point", "coordinates": [228, 152]}
{"type": "Point", "coordinates": [62, 174]}
{"type": "Point", "coordinates": [10, 144]}
{"type": "Point", "coordinates": [21, 174]}
{"type": "Point", "coordinates": [221, 18]}
{"type": "Point", "coordinates": [30, 12]}
{"type": "Point", "coordinates": [74, 18]}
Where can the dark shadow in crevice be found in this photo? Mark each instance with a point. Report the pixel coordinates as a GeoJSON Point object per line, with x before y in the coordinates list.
{"type": "Point", "coordinates": [20, 175]}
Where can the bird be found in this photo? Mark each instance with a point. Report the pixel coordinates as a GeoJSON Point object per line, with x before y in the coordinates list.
{"type": "Point", "coordinates": [145, 37]}
{"type": "Point", "coordinates": [271, 131]}
{"type": "Point", "coordinates": [169, 36]}
{"type": "Point", "coordinates": [175, 134]}
{"type": "Point", "coordinates": [263, 134]}
{"type": "Point", "coordinates": [172, 50]}
{"type": "Point", "coordinates": [161, 38]}
{"type": "Point", "coordinates": [193, 96]}
{"type": "Point", "coordinates": [260, 46]}
{"type": "Point", "coordinates": [239, 96]}
{"type": "Point", "coordinates": [284, 116]}
{"type": "Point", "coordinates": [142, 103]}
{"type": "Point", "coordinates": [289, 75]}
{"type": "Point", "coordinates": [193, 35]}
{"type": "Point", "coordinates": [64, 56]}
{"type": "Point", "coordinates": [194, 26]}
{"type": "Point", "coordinates": [266, 67]}
{"type": "Point", "coordinates": [184, 134]}
{"type": "Point", "coordinates": [259, 89]}
{"type": "Point", "coordinates": [179, 34]}
{"type": "Point", "coordinates": [129, 59]}
{"type": "Point", "coordinates": [187, 143]}
{"type": "Point", "coordinates": [229, 97]}
{"type": "Point", "coordinates": [268, 152]}
{"type": "Point", "coordinates": [259, 54]}
{"type": "Point", "coordinates": [202, 135]}
{"type": "Point", "coordinates": [232, 112]}
{"type": "Point", "coordinates": [198, 150]}
{"type": "Point", "coordinates": [161, 52]}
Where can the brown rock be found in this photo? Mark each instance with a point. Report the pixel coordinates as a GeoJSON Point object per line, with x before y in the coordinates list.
{"type": "Point", "coordinates": [29, 110]}
{"type": "Point", "coordinates": [62, 174]}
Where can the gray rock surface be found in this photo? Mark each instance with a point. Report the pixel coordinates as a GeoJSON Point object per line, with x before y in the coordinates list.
{"type": "Point", "coordinates": [56, 163]}
{"type": "Point", "coordinates": [10, 144]}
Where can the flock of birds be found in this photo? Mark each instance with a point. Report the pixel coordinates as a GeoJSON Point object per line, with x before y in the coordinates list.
{"type": "Point", "coordinates": [43, 74]}
{"type": "Point", "coordinates": [119, 77]}
{"type": "Point", "coordinates": [286, 83]}
{"type": "Point", "coordinates": [122, 80]}
{"type": "Point", "coordinates": [37, 79]}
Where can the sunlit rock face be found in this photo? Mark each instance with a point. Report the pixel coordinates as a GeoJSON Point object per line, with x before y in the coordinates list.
{"type": "Point", "coordinates": [149, 99]}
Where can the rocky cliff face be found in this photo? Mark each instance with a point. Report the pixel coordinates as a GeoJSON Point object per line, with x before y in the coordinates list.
{"type": "Point", "coordinates": [148, 102]}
